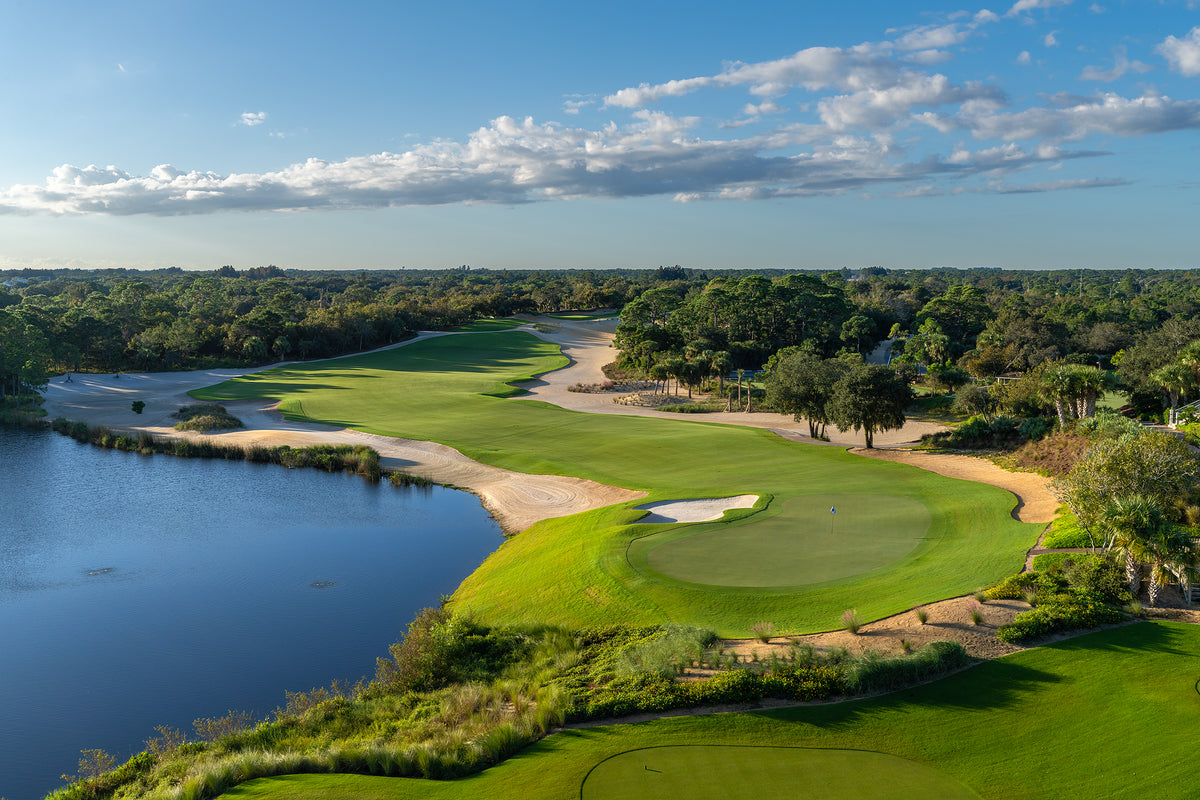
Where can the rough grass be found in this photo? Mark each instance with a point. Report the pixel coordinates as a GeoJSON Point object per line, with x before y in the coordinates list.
{"type": "Point", "coordinates": [1053, 456]}
{"type": "Point", "coordinates": [573, 570]}
{"type": "Point", "coordinates": [1024, 726]}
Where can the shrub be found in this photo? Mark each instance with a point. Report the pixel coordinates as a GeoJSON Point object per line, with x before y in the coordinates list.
{"type": "Point", "coordinates": [205, 417]}
{"type": "Point", "coordinates": [872, 672]}
{"type": "Point", "coordinates": [1011, 588]}
{"type": "Point", "coordinates": [1062, 612]}
{"type": "Point", "coordinates": [922, 616]}
{"type": "Point", "coordinates": [138, 406]}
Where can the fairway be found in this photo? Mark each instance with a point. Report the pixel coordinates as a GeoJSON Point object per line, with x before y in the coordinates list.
{"type": "Point", "coordinates": [902, 536]}
{"type": "Point", "coordinates": [805, 542]}
{"type": "Point", "coordinates": [749, 773]}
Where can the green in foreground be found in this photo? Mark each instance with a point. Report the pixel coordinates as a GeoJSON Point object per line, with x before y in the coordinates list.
{"type": "Point", "coordinates": [1103, 715]}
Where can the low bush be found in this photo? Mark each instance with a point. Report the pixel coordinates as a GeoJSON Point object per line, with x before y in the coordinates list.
{"type": "Point", "coordinates": [978, 433]}
{"type": "Point", "coordinates": [1063, 612]}
{"type": "Point", "coordinates": [205, 417]}
{"type": "Point", "coordinates": [1013, 587]}
{"type": "Point", "coordinates": [1050, 561]}
{"type": "Point", "coordinates": [873, 672]}
{"type": "Point", "coordinates": [706, 407]}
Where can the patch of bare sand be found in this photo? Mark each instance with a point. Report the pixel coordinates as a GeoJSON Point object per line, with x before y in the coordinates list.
{"type": "Point", "coordinates": [588, 346]}
{"type": "Point", "coordinates": [947, 619]}
{"type": "Point", "coordinates": [704, 510]}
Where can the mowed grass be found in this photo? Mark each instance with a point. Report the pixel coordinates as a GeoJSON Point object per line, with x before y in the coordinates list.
{"type": "Point", "coordinates": [1108, 714]}
{"type": "Point", "coordinates": [749, 773]}
{"type": "Point", "coordinates": [576, 570]}
{"type": "Point", "coordinates": [815, 538]}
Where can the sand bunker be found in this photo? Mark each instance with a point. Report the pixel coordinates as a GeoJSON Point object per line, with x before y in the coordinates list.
{"type": "Point", "coordinates": [695, 510]}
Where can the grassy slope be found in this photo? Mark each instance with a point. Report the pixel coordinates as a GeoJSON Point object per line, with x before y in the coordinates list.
{"type": "Point", "coordinates": [574, 570]}
{"type": "Point", "coordinates": [1104, 715]}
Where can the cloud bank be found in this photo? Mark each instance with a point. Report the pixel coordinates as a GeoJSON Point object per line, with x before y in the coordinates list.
{"type": "Point", "coordinates": [876, 114]}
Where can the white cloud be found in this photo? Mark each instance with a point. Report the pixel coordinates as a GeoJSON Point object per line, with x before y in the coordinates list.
{"type": "Point", "coordinates": [576, 102]}
{"type": "Point", "coordinates": [1022, 6]}
{"type": "Point", "coordinates": [1073, 118]}
{"type": "Point", "coordinates": [1121, 65]}
{"type": "Point", "coordinates": [878, 119]}
{"type": "Point", "coordinates": [1050, 39]}
{"type": "Point", "coordinates": [1059, 186]}
{"type": "Point", "coordinates": [1182, 54]}
{"type": "Point", "coordinates": [814, 68]}
{"type": "Point", "coordinates": [1096, 8]}
{"type": "Point", "coordinates": [878, 108]}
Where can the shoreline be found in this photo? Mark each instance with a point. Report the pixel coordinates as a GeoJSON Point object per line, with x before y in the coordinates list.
{"type": "Point", "coordinates": [516, 500]}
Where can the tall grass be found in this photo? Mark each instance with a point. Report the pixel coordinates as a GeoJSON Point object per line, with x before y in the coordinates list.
{"type": "Point", "coordinates": [358, 459]}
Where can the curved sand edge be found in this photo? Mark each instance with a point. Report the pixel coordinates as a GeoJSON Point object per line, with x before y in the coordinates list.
{"type": "Point", "coordinates": [516, 500]}
{"type": "Point", "coordinates": [705, 510]}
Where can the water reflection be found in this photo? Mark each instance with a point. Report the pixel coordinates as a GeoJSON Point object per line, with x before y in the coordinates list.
{"type": "Point", "coordinates": [146, 590]}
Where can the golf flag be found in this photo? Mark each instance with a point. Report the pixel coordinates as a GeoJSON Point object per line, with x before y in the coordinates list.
{"type": "Point", "coordinates": [832, 510]}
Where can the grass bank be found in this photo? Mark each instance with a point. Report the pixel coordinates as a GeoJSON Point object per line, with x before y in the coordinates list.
{"type": "Point", "coordinates": [1024, 726]}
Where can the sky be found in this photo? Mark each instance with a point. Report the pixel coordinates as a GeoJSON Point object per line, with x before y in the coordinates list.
{"type": "Point", "coordinates": [1039, 134]}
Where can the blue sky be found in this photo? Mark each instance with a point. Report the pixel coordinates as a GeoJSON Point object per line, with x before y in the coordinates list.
{"type": "Point", "coordinates": [1034, 134]}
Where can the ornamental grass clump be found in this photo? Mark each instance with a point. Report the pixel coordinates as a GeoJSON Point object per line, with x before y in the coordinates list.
{"type": "Point", "coordinates": [763, 631]}
{"type": "Point", "coordinates": [922, 615]}
{"type": "Point", "coordinates": [851, 621]}
{"type": "Point", "coordinates": [976, 610]}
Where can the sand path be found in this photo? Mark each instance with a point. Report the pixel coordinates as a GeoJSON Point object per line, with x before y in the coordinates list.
{"type": "Point", "coordinates": [516, 500]}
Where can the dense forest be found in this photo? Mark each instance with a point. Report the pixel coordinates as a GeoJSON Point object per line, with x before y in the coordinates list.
{"type": "Point", "coordinates": [981, 322]}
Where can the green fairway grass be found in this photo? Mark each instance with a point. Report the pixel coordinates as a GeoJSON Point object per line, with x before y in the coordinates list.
{"type": "Point", "coordinates": [749, 773]}
{"type": "Point", "coordinates": [1106, 715]}
{"type": "Point", "coordinates": [575, 570]}
{"type": "Point", "coordinates": [803, 543]}
{"type": "Point", "coordinates": [490, 324]}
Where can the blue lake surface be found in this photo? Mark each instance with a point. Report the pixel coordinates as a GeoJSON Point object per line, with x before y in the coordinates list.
{"type": "Point", "coordinates": [138, 591]}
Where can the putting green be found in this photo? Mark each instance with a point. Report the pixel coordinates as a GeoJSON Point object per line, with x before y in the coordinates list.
{"type": "Point", "coordinates": [576, 570]}
{"type": "Point", "coordinates": [802, 543]}
{"type": "Point", "coordinates": [733, 772]}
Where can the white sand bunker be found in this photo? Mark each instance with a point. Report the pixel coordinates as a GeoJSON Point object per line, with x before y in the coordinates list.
{"type": "Point", "coordinates": [695, 510]}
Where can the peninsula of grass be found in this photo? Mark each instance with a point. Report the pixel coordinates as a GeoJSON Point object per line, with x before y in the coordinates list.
{"type": "Point", "coordinates": [1023, 726]}
{"type": "Point", "coordinates": [580, 570]}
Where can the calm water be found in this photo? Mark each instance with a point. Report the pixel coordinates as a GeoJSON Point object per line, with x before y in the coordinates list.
{"type": "Point", "coordinates": [145, 590]}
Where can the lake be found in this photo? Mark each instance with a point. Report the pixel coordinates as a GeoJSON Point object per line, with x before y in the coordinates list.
{"type": "Point", "coordinates": [138, 591]}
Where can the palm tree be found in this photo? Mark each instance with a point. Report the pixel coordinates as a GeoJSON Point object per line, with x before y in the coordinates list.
{"type": "Point", "coordinates": [1176, 380]}
{"type": "Point", "coordinates": [1140, 528]}
{"type": "Point", "coordinates": [1128, 519]}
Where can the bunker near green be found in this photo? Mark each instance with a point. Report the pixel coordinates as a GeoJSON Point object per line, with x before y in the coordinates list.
{"type": "Point", "coordinates": [805, 540]}
{"type": "Point", "coordinates": [752, 772]}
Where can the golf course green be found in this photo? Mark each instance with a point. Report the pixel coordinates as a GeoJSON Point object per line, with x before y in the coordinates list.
{"type": "Point", "coordinates": [815, 538]}
{"type": "Point", "coordinates": [746, 773]}
{"type": "Point", "coordinates": [909, 536]}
